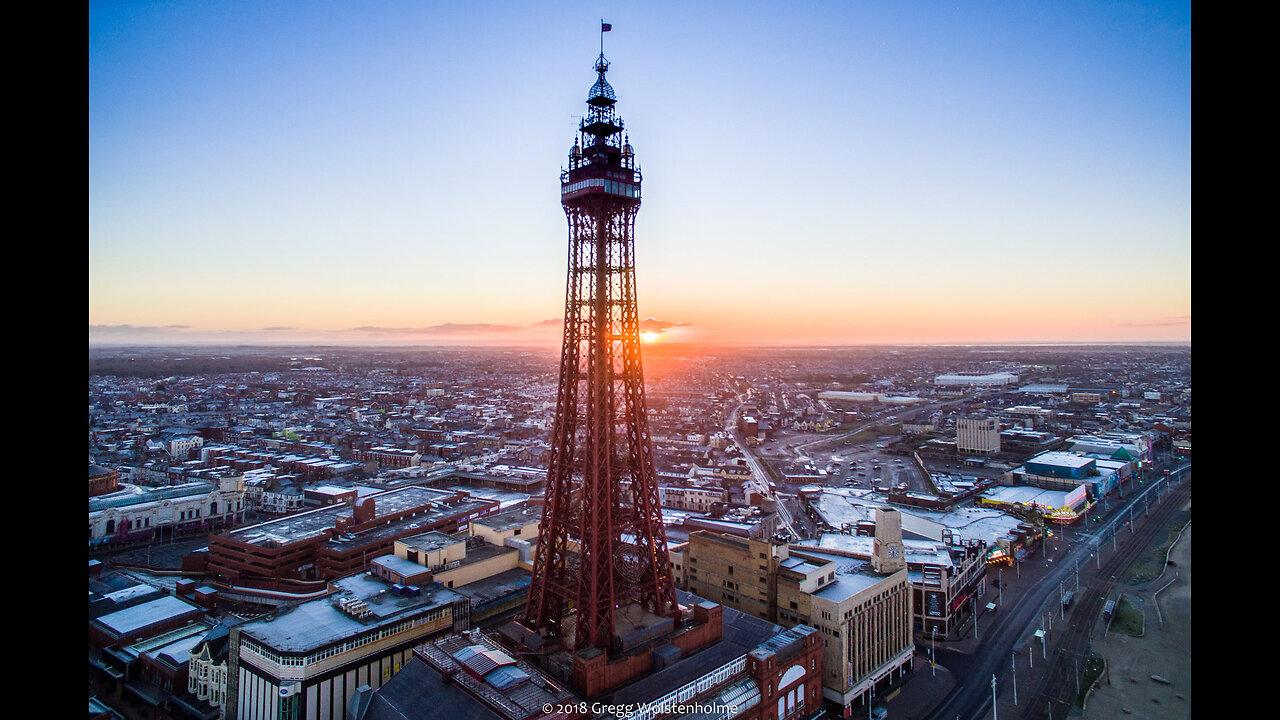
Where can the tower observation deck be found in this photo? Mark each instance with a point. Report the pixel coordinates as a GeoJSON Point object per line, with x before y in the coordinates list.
{"type": "Point", "coordinates": [601, 543]}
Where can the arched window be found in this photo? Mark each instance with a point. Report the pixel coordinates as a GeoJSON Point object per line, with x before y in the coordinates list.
{"type": "Point", "coordinates": [111, 526]}
{"type": "Point", "coordinates": [794, 673]}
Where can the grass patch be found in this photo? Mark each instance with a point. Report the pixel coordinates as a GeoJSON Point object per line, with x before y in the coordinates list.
{"type": "Point", "coordinates": [1150, 565]}
{"type": "Point", "coordinates": [1128, 618]}
{"type": "Point", "coordinates": [1145, 569]}
{"type": "Point", "coordinates": [1093, 669]}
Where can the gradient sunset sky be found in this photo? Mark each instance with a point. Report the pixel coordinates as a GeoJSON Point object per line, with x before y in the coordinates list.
{"type": "Point", "coordinates": [814, 172]}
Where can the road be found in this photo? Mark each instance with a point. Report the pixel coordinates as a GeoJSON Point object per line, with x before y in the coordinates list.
{"type": "Point", "coordinates": [759, 475]}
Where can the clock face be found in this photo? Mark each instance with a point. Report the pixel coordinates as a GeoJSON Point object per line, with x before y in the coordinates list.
{"type": "Point", "coordinates": [893, 551]}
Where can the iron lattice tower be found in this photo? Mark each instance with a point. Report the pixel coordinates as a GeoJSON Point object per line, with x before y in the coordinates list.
{"type": "Point", "coordinates": [602, 490]}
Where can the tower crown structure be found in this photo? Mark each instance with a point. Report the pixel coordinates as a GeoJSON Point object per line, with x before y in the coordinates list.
{"type": "Point", "coordinates": [601, 544]}
{"type": "Point", "coordinates": [602, 161]}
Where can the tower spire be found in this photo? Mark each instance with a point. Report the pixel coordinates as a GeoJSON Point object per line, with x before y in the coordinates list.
{"type": "Point", "coordinates": [602, 488]}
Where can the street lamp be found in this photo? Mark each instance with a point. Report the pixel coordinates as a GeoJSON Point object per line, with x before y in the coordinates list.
{"type": "Point", "coordinates": [933, 651]}
{"type": "Point", "coordinates": [1013, 660]}
{"type": "Point", "coordinates": [993, 696]}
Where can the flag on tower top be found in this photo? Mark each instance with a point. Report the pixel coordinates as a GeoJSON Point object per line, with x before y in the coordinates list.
{"type": "Point", "coordinates": [606, 27]}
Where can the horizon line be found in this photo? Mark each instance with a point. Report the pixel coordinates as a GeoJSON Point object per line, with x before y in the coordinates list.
{"type": "Point", "coordinates": [681, 343]}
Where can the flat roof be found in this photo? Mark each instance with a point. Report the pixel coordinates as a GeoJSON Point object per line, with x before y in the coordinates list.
{"type": "Point", "coordinates": [330, 490]}
{"type": "Point", "coordinates": [504, 584]}
{"type": "Point", "coordinates": [849, 582]}
{"type": "Point", "coordinates": [384, 531]}
{"type": "Point", "coordinates": [1028, 495]}
{"type": "Point", "coordinates": [138, 617]}
{"type": "Point", "coordinates": [317, 623]}
{"type": "Point", "coordinates": [398, 565]}
{"type": "Point", "coordinates": [431, 541]}
{"type": "Point", "coordinates": [313, 523]}
{"type": "Point", "coordinates": [1060, 459]}
{"type": "Point", "coordinates": [800, 565]}
{"type": "Point", "coordinates": [515, 517]}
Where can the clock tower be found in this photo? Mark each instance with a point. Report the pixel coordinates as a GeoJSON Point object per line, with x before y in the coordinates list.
{"type": "Point", "coordinates": [888, 554]}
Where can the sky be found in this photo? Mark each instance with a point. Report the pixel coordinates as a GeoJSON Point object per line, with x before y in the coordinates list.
{"type": "Point", "coordinates": [840, 172]}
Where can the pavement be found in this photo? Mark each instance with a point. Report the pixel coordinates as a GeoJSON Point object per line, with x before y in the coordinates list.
{"type": "Point", "coordinates": [921, 693]}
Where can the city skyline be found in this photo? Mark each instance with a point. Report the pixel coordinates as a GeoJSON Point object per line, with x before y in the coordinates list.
{"type": "Point", "coordinates": [817, 174]}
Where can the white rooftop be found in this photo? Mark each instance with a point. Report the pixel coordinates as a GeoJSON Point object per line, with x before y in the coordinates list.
{"type": "Point", "coordinates": [970, 522]}
{"type": "Point", "coordinates": [132, 619]}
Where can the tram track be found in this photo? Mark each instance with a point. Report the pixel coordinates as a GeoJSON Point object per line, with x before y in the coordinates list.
{"type": "Point", "coordinates": [1056, 691]}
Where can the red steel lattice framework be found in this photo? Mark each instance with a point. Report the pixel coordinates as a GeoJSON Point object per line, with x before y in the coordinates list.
{"type": "Point", "coordinates": [602, 491]}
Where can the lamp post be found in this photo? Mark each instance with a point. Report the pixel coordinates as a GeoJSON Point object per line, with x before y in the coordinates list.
{"type": "Point", "coordinates": [933, 652]}
{"type": "Point", "coordinates": [993, 697]}
{"type": "Point", "coordinates": [1013, 660]}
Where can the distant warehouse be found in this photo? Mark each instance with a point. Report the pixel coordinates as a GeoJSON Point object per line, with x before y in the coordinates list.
{"type": "Point", "coordinates": [976, 379]}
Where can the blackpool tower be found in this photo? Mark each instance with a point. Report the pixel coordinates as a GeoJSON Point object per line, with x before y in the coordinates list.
{"type": "Point", "coordinates": [601, 544]}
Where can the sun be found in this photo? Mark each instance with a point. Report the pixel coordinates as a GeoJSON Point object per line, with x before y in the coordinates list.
{"type": "Point", "coordinates": [650, 336]}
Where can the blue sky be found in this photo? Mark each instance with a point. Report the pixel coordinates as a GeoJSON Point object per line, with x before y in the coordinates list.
{"type": "Point", "coordinates": [814, 172]}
